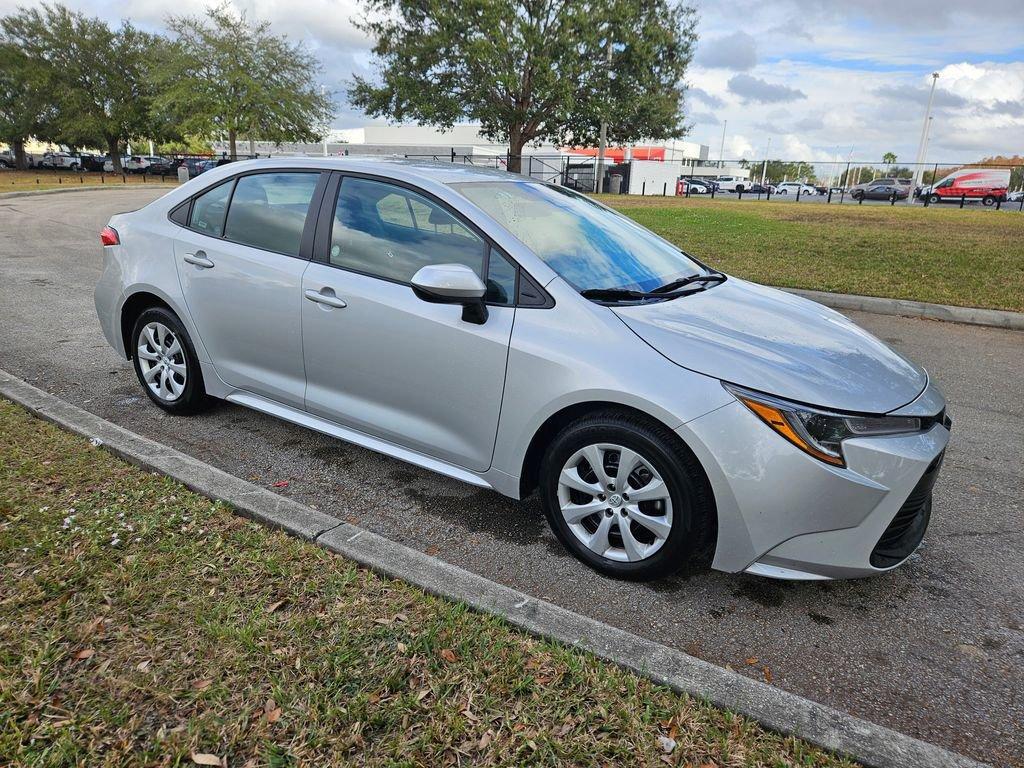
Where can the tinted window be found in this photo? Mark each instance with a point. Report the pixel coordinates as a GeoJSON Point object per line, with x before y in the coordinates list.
{"type": "Point", "coordinates": [391, 232]}
{"type": "Point", "coordinates": [268, 210]}
{"type": "Point", "coordinates": [208, 210]}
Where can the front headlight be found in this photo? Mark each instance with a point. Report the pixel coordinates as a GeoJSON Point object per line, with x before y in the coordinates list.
{"type": "Point", "coordinates": [817, 432]}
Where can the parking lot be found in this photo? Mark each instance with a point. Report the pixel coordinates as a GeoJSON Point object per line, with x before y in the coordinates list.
{"type": "Point", "coordinates": [934, 649]}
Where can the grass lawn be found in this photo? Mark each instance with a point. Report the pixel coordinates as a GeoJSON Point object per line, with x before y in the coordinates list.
{"type": "Point", "coordinates": [945, 255]}
{"type": "Point", "coordinates": [141, 624]}
{"type": "Point", "coordinates": [26, 181]}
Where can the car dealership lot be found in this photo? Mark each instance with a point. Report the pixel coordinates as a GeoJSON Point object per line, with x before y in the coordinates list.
{"type": "Point", "coordinates": [933, 649]}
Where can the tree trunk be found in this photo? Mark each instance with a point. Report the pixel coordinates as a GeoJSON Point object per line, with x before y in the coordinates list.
{"type": "Point", "coordinates": [516, 142]}
{"type": "Point", "coordinates": [20, 161]}
{"type": "Point", "coordinates": [232, 141]}
{"type": "Point", "coordinates": [115, 154]}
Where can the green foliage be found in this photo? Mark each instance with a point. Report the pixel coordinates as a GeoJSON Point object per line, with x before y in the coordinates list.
{"type": "Point", "coordinates": [97, 78]}
{"type": "Point", "coordinates": [530, 71]}
{"type": "Point", "coordinates": [187, 145]}
{"type": "Point", "coordinates": [889, 158]}
{"type": "Point", "coordinates": [24, 102]}
{"type": "Point", "coordinates": [223, 75]}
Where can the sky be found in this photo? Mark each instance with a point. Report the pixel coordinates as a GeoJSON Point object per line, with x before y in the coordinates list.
{"type": "Point", "coordinates": [821, 78]}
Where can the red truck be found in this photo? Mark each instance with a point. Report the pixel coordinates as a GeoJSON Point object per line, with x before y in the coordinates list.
{"type": "Point", "coordinates": [985, 184]}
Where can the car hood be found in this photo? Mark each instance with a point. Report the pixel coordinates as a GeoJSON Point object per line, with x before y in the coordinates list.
{"type": "Point", "coordinates": [778, 343]}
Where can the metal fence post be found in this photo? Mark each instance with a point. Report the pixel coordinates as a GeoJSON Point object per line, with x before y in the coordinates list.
{"type": "Point", "coordinates": [829, 201]}
{"type": "Point", "coordinates": [643, 189]}
{"type": "Point", "coordinates": [798, 194]}
{"type": "Point", "coordinates": [739, 194]}
{"type": "Point", "coordinates": [963, 199]}
{"type": "Point", "coordinates": [999, 202]}
{"type": "Point", "coordinates": [664, 189]}
{"type": "Point", "coordinates": [712, 190]}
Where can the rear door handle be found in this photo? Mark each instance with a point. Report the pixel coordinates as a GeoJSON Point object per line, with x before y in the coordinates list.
{"type": "Point", "coordinates": [199, 259]}
{"type": "Point", "coordinates": [325, 298]}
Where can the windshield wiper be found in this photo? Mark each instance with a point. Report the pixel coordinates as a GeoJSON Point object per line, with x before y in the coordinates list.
{"type": "Point", "coordinates": [616, 294]}
{"type": "Point", "coordinates": [714, 277]}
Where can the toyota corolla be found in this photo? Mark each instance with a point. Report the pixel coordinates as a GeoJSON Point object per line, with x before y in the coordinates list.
{"type": "Point", "coordinates": [519, 336]}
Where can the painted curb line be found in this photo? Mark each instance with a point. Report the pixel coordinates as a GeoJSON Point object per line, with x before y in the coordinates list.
{"type": "Point", "coordinates": [872, 745]}
{"type": "Point", "coordinates": [995, 318]}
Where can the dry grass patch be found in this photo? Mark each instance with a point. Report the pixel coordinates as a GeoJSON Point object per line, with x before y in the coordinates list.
{"type": "Point", "coordinates": [26, 181]}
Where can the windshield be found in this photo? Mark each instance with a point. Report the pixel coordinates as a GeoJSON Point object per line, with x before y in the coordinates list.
{"type": "Point", "coordinates": [588, 245]}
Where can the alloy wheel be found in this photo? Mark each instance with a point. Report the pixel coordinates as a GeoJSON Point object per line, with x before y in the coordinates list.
{"type": "Point", "coordinates": [615, 502]}
{"type": "Point", "coordinates": [162, 361]}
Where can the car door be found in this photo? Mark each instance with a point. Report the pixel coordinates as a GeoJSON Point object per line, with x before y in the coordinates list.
{"type": "Point", "coordinates": [240, 261]}
{"type": "Point", "coordinates": [384, 362]}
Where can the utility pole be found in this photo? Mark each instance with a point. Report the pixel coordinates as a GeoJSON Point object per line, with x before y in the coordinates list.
{"type": "Point", "coordinates": [918, 169]}
{"type": "Point", "coordinates": [721, 147]}
{"type": "Point", "coordinates": [764, 165]}
{"type": "Point", "coordinates": [602, 142]}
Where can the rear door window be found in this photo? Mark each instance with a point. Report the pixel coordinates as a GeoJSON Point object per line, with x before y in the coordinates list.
{"type": "Point", "coordinates": [268, 210]}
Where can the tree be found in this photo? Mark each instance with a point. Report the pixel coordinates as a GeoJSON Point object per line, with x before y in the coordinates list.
{"type": "Point", "coordinates": [531, 71]}
{"type": "Point", "coordinates": [24, 101]}
{"type": "Point", "coordinates": [223, 75]}
{"type": "Point", "coordinates": [888, 158]}
{"type": "Point", "coordinates": [98, 79]}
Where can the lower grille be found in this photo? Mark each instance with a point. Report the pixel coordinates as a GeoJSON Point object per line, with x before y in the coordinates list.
{"type": "Point", "coordinates": [908, 526]}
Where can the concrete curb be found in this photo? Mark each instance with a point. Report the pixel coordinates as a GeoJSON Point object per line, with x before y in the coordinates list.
{"type": "Point", "coordinates": [872, 745]}
{"type": "Point", "coordinates": [995, 318]}
{"type": "Point", "coordinates": [82, 188]}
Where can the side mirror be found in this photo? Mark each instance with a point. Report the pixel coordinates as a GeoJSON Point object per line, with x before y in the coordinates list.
{"type": "Point", "coordinates": [453, 284]}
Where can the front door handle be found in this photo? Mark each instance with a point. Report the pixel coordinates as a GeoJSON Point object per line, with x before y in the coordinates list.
{"type": "Point", "coordinates": [325, 298]}
{"type": "Point", "coordinates": [199, 259]}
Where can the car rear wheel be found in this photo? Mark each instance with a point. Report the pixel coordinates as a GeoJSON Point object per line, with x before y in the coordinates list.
{"type": "Point", "coordinates": [627, 498]}
{"type": "Point", "coordinates": [857, 195]}
{"type": "Point", "coordinates": [166, 362]}
{"type": "Point", "coordinates": [988, 200]}
{"type": "Point", "coordinates": [934, 199]}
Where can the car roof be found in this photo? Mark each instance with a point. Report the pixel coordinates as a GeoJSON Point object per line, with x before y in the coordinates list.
{"type": "Point", "coordinates": [400, 167]}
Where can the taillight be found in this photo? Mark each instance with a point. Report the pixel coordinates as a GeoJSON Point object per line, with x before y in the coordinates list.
{"type": "Point", "coordinates": [109, 236]}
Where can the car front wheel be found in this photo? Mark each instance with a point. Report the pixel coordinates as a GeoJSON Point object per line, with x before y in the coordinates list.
{"type": "Point", "coordinates": [166, 362]}
{"type": "Point", "coordinates": [627, 498]}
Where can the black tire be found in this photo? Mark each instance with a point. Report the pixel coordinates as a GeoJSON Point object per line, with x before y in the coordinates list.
{"type": "Point", "coordinates": [690, 543]}
{"type": "Point", "coordinates": [932, 199]}
{"type": "Point", "coordinates": [740, 188]}
{"type": "Point", "coordinates": [193, 398]}
{"type": "Point", "coordinates": [988, 200]}
{"type": "Point", "coordinates": [857, 195]}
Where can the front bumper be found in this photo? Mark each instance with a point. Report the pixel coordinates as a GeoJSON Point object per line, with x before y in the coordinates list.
{"type": "Point", "coordinates": [784, 514]}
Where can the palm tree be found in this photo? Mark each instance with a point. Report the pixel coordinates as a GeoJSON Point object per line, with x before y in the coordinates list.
{"type": "Point", "coordinates": [888, 158]}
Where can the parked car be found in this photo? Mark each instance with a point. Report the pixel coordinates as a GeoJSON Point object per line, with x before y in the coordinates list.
{"type": "Point", "coordinates": [1015, 197]}
{"type": "Point", "coordinates": [883, 189]}
{"type": "Point", "coordinates": [887, 181]}
{"type": "Point", "coordinates": [732, 183]}
{"type": "Point", "coordinates": [695, 186]}
{"type": "Point", "coordinates": [758, 188]}
{"type": "Point", "coordinates": [159, 165]}
{"type": "Point", "coordinates": [666, 413]}
{"type": "Point", "coordinates": [91, 162]}
{"type": "Point", "coordinates": [108, 164]}
{"type": "Point", "coordinates": [985, 184]}
{"type": "Point", "coordinates": [139, 163]}
{"type": "Point", "coordinates": [7, 159]}
{"type": "Point", "coordinates": [61, 160]}
{"type": "Point", "coordinates": [792, 187]}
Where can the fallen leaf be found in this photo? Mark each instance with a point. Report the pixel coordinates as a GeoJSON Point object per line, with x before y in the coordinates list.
{"type": "Point", "coordinates": [274, 606]}
{"type": "Point", "coordinates": [448, 655]}
{"type": "Point", "coordinates": [274, 715]}
{"type": "Point", "coordinates": [752, 660]}
{"type": "Point", "coordinates": [422, 694]}
{"type": "Point", "coordinates": [401, 617]}
{"type": "Point", "coordinates": [485, 740]}
{"type": "Point", "coordinates": [200, 685]}
{"type": "Point", "coordinates": [281, 484]}
{"type": "Point", "coordinates": [767, 675]}
{"type": "Point", "coordinates": [431, 550]}
{"type": "Point", "coordinates": [402, 647]}
{"type": "Point", "coordinates": [205, 758]}
{"type": "Point", "coordinates": [385, 622]}
{"type": "Point", "coordinates": [85, 653]}
{"type": "Point", "coordinates": [142, 666]}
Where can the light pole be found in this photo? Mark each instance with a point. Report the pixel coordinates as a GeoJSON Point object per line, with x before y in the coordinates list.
{"type": "Point", "coordinates": [764, 165]}
{"type": "Point", "coordinates": [721, 147]}
{"type": "Point", "coordinates": [919, 170]}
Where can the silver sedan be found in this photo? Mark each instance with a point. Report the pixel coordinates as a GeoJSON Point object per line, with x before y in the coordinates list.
{"type": "Point", "coordinates": [521, 337]}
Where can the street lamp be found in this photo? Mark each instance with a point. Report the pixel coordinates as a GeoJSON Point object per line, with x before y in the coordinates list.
{"type": "Point", "coordinates": [919, 170]}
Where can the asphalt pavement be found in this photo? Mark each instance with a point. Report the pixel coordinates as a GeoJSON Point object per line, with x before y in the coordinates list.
{"type": "Point", "coordinates": [934, 649]}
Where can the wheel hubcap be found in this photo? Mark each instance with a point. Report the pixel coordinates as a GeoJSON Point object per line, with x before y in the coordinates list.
{"type": "Point", "coordinates": [615, 502]}
{"type": "Point", "coordinates": [162, 360]}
